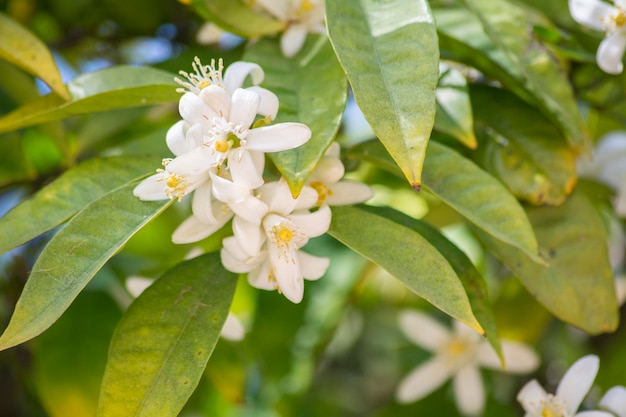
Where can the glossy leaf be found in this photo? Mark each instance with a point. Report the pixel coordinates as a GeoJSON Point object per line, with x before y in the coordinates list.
{"type": "Point", "coordinates": [70, 357]}
{"type": "Point", "coordinates": [522, 148]}
{"type": "Point", "coordinates": [507, 26]}
{"type": "Point", "coordinates": [164, 341]}
{"type": "Point", "coordinates": [472, 281]}
{"type": "Point", "coordinates": [454, 109]}
{"type": "Point", "coordinates": [236, 17]}
{"type": "Point", "coordinates": [68, 194]}
{"type": "Point", "coordinates": [313, 90]}
{"type": "Point", "coordinates": [22, 48]}
{"type": "Point", "coordinates": [406, 255]}
{"type": "Point", "coordinates": [107, 89]}
{"type": "Point", "coordinates": [389, 52]}
{"type": "Point", "coordinates": [469, 190]}
{"type": "Point", "coordinates": [577, 286]}
{"type": "Point", "coordinates": [72, 258]}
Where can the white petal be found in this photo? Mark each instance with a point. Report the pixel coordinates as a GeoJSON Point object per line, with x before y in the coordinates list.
{"type": "Point", "coordinates": [287, 273]}
{"type": "Point", "coordinates": [328, 170]}
{"type": "Point", "coordinates": [217, 99]}
{"type": "Point", "coordinates": [228, 191]}
{"type": "Point", "coordinates": [423, 380]}
{"type": "Point", "coordinates": [192, 164]}
{"type": "Point", "coordinates": [232, 264]}
{"type": "Point", "coordinates": [269, 102]}
{"type": "Point", "coordinates": [209, 34]}
{"type": "Point", "coordinates": [244, 171]}
{"type": "Point", "coordinates": [620, 289]}
{"type": "Point", "coordinates": [518, 357]}
{"type": "Point", "coordinates": [307, 199]}
{"type": "Point", "coordinates": [194, 110]}
{"type": "Point", "coordinates": [151, 189]}
{"type": "Point", "coordinates": [244, 107]}
{"type": "Point", "coordinates": [194, 137]}
{"type": "Point", "coordinates": [176, 138]}
{"type": "Point", "coordinates": [278, 8]}
{"type": "Point", "coordinates": [278, 137]}
{"type": "Point", "coordinates": [590, 12]}
{"type": "Point", "coordinates": [423, 330]}
{"type": "Point", "coordinates": [292, 39]}
{"type": "Point", "coordinates": [349, 192]}
{"type": "Point", "coordinates": [530, 394]}
{"type": "Point", "coordinates": [614, 400]}
{"type": "Point", "coordinates": [469, 391]}
{"type": "Point", "coordinates": [594, 414]}
{"type": "Point", "coordinates": [193, 230]}
{"type": "Point", "coordinates": [249, 236]}
{"type": "Point", "coordinates": [577, 382]}
{"type": "Point", "coordinates": [251, 209]}
{"type": "Point", "coordinates": [260, 277]}
{"type": "Point", "coordinates": [333, 151]}
{"type": "Point", "coordinates": [237, 72]}
{"type": "Point", "coordinates": [620, 3]}
{"type": "Point", "coordinates": [233, 329]}
{"type": "Point", "coordinates": [231, 245]}
{"type": "Point", "coordinates": [136, 285]}
{"type": "Point", "coordinates": [202, 204]}
{"type": "Point", "coordinates": [313, 224]}
{"type": "Point", "coordinates": [610, 53]}
{"type": "Point", "coordinates": [281, 201]}
{"type": "Point", "coordinates": [313, 267]}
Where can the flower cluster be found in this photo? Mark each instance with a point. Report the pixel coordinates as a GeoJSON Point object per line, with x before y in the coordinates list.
{"type": "Point", "coordinates": [219, 147]}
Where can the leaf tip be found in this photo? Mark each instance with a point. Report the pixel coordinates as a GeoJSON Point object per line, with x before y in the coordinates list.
{"type": "Point", "coordinates": [416, 186]}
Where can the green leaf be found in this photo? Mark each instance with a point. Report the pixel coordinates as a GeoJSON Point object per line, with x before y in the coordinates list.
{"type": "Point", "coordinates": [313, 90]}
{"type": "Point", "coordinates": [236, 17]}
{"type": "Point", "coordinates": [577, 286]}
{"type": "Point", "coordinates": [164, 341]}
{"type": "Point", "coordinates": [72, 258]}
{"type": "Point", "coordinates": [71, 192]}
{"type": "Point", "coordinates": [469, 190]}
{"type": "Point", "coordinates": [507, 26]}
{"type": "Point", "coordinates": [22, 48]}
{"type": "Point", "coordinates": [69, 358]}
{"type": "Point", "coordinates": [522, 148]}
{"type": "Point", "coordinates": [406, 255]}
{"type": "Point", "coordinates": [454, 109]}
{"type": "Point", "coordinates": [390, 53]}
{"type": "Point", "coordinates": [16, 166]}
{"type": "Point", "coordinates": [107, 89]}
{"type": "Point", "coordinates": [470, 278]}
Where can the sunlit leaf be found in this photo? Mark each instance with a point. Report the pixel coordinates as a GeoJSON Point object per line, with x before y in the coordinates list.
{"type": "Point", "coordinates": [454, 109]}
{"type": "Point", "coordinates": [313, 90]}
{"type": "Point", "coordinates": [577, 286]}
{"type": "Point", "coordinates": [406, 255]}
{"type": "Point", "coordinates": [72, 258]}
{"type": "Point", "coordinates": [71, 192]}
{"type": "Point", "coordinates": [389, 52]}
{"type": "Point", "coordinates": [163, 342]}
{"type": "Point", "coordinates": [468, 189]}
{"type": "Point", "coordinates": [71, 356]}
{"type": "Point", "coordinates": [507, 26]}
{"type": "Point", "coordinates": [107, 89]}
{"type": "Point", "coordinates": [237, 17]}
{"type": "Point", "coordinates": [22, 48]}
{"type": "Point", "coordinates": [522, 148]}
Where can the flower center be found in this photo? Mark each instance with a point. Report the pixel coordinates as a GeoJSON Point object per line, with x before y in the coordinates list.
{"type": "Point", "coordinates": [176, 185]}
{"type": "Point", "coordinates": [323, 191]}
{"type": "Point", "coordinates": [616, 21]}
{"type": "Point", "coordinates": [286, 237]}
{"type": "Point", "coordinates": [224, 137]}
{"type": "Point", "coordinates": [549, 406]}
{"type": "Point", "coordinates": [203, 76]}
{"type": "Point", "coordinates": [306, 6]}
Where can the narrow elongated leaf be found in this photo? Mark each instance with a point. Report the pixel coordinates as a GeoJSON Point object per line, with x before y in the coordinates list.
{"type": "Point", "coordinates": [472, 280]}
{"type": "Point", "coordinates": [507, 26]}
{"type": "Point", "coordinates": [406, 255]}
{"type": "Point", "coordinates": [468, 189]}
{"type": "Point", "coordinates": [110, 88]}
{"type": "Point", "coordinates": [22, 48]}
{"type": "Point", "coordinates": [238, 18]}
{"type": "Point", "coordinates": [389, 52]}
{"type": "Point", "coordinates": [72, 258]}
{"type": "Point", "coordinates": [522, 148]}
{"type": "Point", "coordinates": [577, 286]}
{"type": "Point", "coordinates": [71, 192]}
{"type": "Point", "coordinates": [165, 339]}
{"type": "Point", "coordinates": [454, 109]}
{"type": "Point", "coordinates": [313, 90]}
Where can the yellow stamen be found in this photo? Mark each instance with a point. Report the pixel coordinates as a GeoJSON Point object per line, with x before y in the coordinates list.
{"type": "Point", "coordinates": [457, 347]}
{"type": "Point", "coordinates": [203, 84]}
{"type": "Point", "coordinates": [221, 146]}
{"type": "Point", "coordinates": [306, 5]}
{"type": "Point", "coordinates": [323, 191]}
{"type": "Point", "coordinates": [285, 234]}
{"type": "Point", "coordinates": [547, 412]}
{"type": "Point", "coordinates": [173, 181]}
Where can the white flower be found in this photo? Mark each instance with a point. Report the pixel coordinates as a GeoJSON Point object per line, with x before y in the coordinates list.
{"type": "Point", "coordinates": [599, 15]}
{"type": "Point", "coordinates": [326, 177]}
{"type": "Point", "coordinates": [570, 392]}
{"type": "Point", "coordinates": [459, 355]}
{"type": "Point", "coordinates": [301, 16]}
{"type": "Point", "coordinates": [614, 400]}
{"type": "Point", "coordinates": [270, 254]}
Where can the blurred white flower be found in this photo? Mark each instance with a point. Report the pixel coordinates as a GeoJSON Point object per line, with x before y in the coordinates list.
{"type": "Point", "coordinates": [570, 392]}
{"type": "Point", "coordinates": [301, 16]}
{"type": "Point", "coordinates": [614, 400]}
{"type": "Point", "coordinates": [459, 355]}
{"type": "Point", "coordinates": [599, 15]}
{"type": "Point", "coordinates": [326, 177]}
